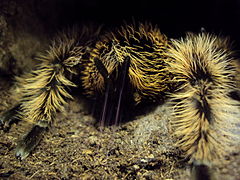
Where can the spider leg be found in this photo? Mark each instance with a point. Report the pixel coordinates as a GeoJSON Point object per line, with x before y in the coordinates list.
{"type": "Point", "coordinates": [47, 88]}
{"type": "Point", "coordinates": [108, 82]}
{"type": "Point", "coordinates": [114, 92]}
{"type": "Point", "coordinates": [123, 82]}
{"type": "Point", "coordinates": [30, 140]}
{"type": "Point", "coordinates": [9, 117]}
{"type": "Point", "coordinates": [45, 92]}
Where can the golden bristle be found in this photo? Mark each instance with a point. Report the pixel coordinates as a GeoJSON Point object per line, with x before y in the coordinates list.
{"type": "Point", "coordinates": [205, 116]}
{"type": "Point", "coordinates": [44, 90]}
{"type": "Point", "coordinates": [145, 46]}
{"type": "Point", "coordinates": [44, 94]}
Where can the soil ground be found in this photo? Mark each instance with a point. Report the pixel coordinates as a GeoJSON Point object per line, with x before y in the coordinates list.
{"type": "Point", "coordinates": [76, 148]}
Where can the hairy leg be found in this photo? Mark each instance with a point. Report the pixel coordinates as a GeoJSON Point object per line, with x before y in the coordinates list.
{"type": "Point", "coordinates": [46, 89]}
{"type": "Point", "coordinates": [30, 140]}
{"type": "Point", "coordinates": [45, 92]}
{"type": "Point", "coordinates": [9, 117]}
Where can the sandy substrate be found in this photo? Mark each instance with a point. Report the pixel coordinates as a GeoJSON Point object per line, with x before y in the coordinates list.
{"type": "Point", "coordinates": [76, 148]}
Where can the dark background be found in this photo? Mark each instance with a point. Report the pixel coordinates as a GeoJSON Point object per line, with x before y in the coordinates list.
{"type": "Point", "coordinates": [27, 26]}
{"type": "Point", "coordinates": [174, 17]}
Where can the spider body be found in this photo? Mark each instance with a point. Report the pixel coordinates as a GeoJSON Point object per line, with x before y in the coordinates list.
{"type": "Point", "coordinates": [134, 60]}
{"type": "Point", "coordinates": [126, 66]}
{"type": "Point", "coordinates": [131, 65]}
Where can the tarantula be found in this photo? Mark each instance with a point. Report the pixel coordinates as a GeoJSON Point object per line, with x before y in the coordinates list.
{"type": "Point", "coordinates": [126, 66]}
{"type": "Point", "coordinates": [131, 65]}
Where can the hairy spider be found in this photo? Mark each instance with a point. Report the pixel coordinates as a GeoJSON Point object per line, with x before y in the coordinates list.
{"type": "Point", "coordinates": [126, 66]}
{"type": "Point", "coordinates": [131, 65]}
